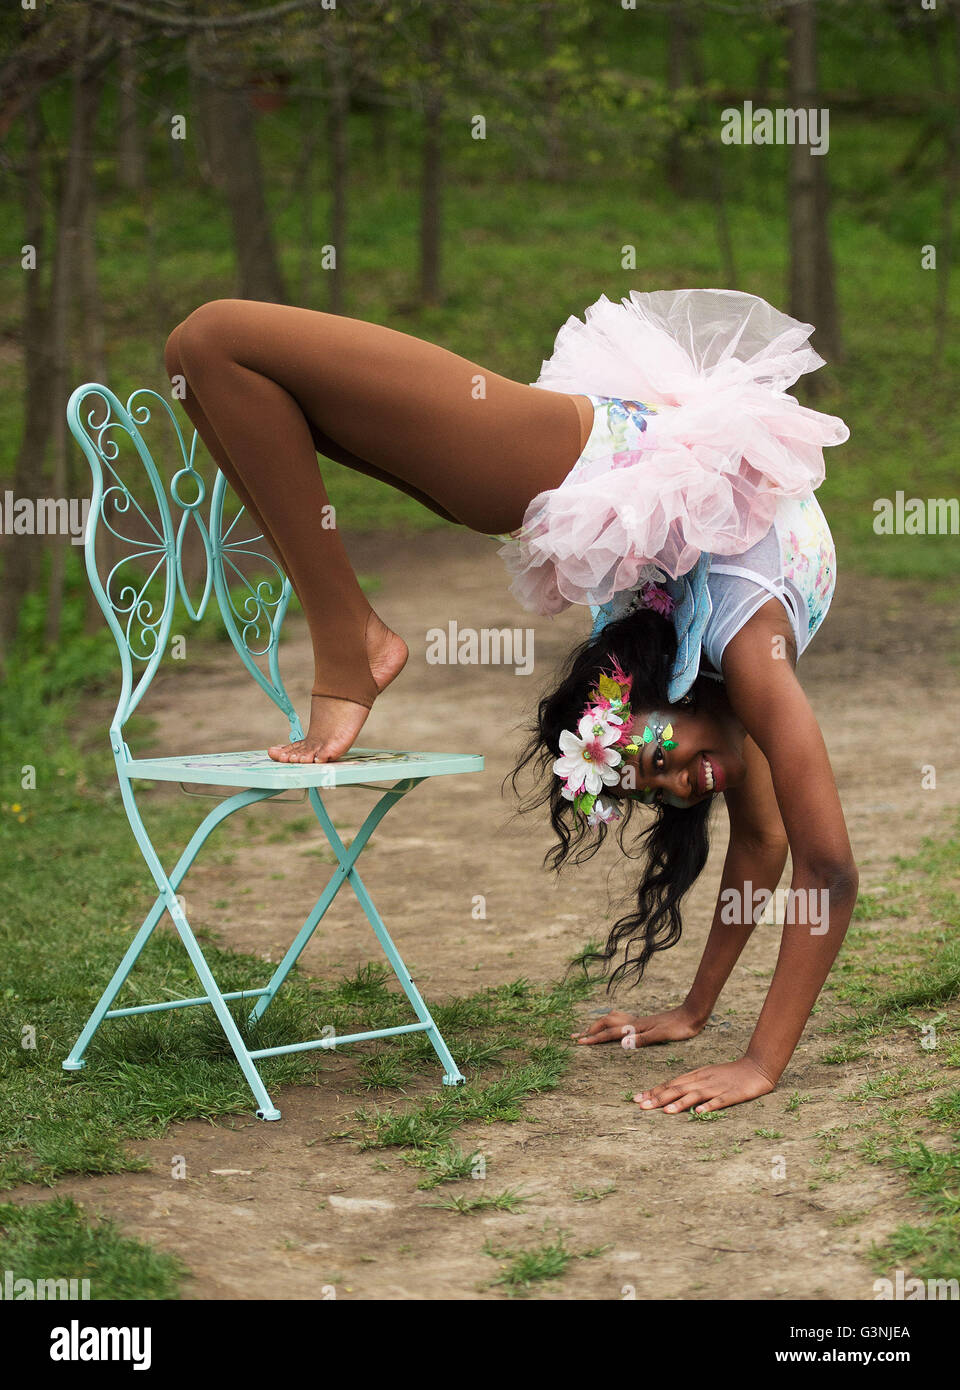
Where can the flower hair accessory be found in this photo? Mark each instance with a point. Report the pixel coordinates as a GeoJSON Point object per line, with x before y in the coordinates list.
{"type": "Point", "coordinates": [656, 597]}
{"type": "Point", "coordinates": [589, 758]}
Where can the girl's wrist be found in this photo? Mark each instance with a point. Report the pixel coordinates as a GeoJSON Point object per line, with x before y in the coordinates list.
{"type": "Point", "coordinates": [697, 1011]}
{"type": "Point", "coordinates": [764, 1068]}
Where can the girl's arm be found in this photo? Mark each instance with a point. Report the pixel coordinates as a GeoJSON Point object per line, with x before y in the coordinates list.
{"type": "Point", "coordinates": [757, 852]}
{"type": "Point", "coordinates": [769, 701]}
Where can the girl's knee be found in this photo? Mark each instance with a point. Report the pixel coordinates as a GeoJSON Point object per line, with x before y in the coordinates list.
{"type": "Point", "coordinates": [206, 330]}
{"type": "Point", "coordinates": [171, 353]}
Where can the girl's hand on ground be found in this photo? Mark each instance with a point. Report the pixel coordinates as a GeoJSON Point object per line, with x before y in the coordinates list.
{"type": "Point", "coordinates": [631, 1030]}
{"type": "Point", "coordinates": [709, 1088]}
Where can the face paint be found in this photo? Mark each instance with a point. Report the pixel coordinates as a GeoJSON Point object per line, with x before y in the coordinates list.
{"type": "Point", "coordinates": [660, 732]}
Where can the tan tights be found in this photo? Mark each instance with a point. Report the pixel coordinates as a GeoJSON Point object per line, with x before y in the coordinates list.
{"type": "Point", "coordinates": [268, 386]}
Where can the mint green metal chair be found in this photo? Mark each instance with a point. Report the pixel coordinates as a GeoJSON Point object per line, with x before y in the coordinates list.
{"type": "Point", "coordinates": [138, 596]}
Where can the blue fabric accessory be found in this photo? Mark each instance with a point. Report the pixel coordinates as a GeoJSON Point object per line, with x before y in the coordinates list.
{"type": "Point", "coordinates": [692, 608]}
{"type": "Point", "coordinates": [691, 613]}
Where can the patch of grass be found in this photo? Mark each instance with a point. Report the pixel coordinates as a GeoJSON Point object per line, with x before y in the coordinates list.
{"type": "Point", "coordinates": [930, 1250]}
{"type": "Point", "coordinates": [432, 1121]}
{"type": "Point", "coordinates": [844, 1053]}
{"type": "Point", "coordinates": [795, 1101]}
{"type": "Point", "coordinates": [384, 1071]}
{"type": "Point", "coordinates": [522, 1269]}
{"type": "Point", "coordinates": [293, 830]}
{"type": "Point", "coordinates": [443, 1163]}
{"type": "Point", "coordinates": [593, 1194]}
{"type": "Point", "coordinates": [141, 1073]}
{"type": "Point", "coordinates": [848, 1218]}
{"type": "Point", "coordinates": [891, 1086]}
{"type": "Point", "coordinates": [510, 1199]}
{"type": "Point", "coordinates": [920, 969]}
{"type": "Point", "coordinates": [56, 1239]}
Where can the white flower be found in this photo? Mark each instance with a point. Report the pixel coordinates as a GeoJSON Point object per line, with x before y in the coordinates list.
{"type": "Point", "coordinates": [603, 813]}
{"type": "Point", "coordinates": [588, 762]}
{"type": "Point", "coordinates": [600, 720]}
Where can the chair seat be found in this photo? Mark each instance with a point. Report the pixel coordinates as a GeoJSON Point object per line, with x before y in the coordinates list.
{"type": "Point", "coordinates": [255, 768]}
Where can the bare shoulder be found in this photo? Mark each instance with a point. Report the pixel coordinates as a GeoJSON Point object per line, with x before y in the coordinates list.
{"type": "Point", "coordinates": [759, 671]}
{"type": "Point", "coordinates": [767, 634]}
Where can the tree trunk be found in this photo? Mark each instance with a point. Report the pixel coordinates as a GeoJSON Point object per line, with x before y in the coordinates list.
{"type": "Point", "coordinates": [715, 182]}
{"type": "Point", "coordinates": [431, 185]}
{"type": "Point", "coordinates": [22, 553]}
{"type": "Point", "coordinates": [812, 290]}
{"type": "Point", "coordinates": [555, 157]}
{"type": "Point", "coordinates": [92, 353]}
{"type": "Point", "coordinates": [338, 108]}
{"type": "Point", "coordinates": [87, 88]}
{"type": "Point", "coordinates": [679, 72]}
{"type": "Point", "coordinates": [203, 127]}
{"type": "Point", "coordinates": [951, 184]}
{"type": "Point", "coordinates": [130, 152]}
{"type": "Point", "coordinates": [236, 159]}
{"type": "Point", "coordinates": [308, 146]}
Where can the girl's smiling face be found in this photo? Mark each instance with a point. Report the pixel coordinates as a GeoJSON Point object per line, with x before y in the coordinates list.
{"type": "Point", "coordinates": [706, 755]}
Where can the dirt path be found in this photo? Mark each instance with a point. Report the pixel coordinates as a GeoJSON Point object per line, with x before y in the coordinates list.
{"type": "Point", "coordinates": [699, 1210]}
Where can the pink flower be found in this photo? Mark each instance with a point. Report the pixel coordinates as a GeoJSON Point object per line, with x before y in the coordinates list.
{"type": "Point", "coordinates": [652, 596]}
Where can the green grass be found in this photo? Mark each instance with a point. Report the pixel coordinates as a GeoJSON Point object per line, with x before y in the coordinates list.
{"type": "Point", "coordinates": [441, 1163]}
{"type": "Point", "coordinates": [593, 1194]}
{"type": "Point", "coordinates": [900, 983]}
{"type": "Point", "coordinates": [929, 1249]}
{"type": "Point", "coordinates": [510, 1199]}
{"type": "Point", "coordinates": [521, 1270]}
{"type": "Point", "coordinates": [56, 1240]}
{"type": "Point", "coordinates": [429, 1123]}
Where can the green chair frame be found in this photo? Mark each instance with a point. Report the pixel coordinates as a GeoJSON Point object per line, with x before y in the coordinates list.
{"type": "Point", "coordinates": [141, 626]}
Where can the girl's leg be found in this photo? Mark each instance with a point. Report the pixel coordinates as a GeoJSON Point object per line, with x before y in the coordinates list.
{"type": "Point", "coordinates": [270, 381]}
{"type": "Point", "coordinates": [323, 445]}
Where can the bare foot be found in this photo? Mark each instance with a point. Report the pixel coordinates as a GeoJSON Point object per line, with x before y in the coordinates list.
{"type": "Point", "coordinates": [334, 724]}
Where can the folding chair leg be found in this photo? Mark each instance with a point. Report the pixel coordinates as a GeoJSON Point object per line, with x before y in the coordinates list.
{"type": "Point", "coordinates": [75, 1061]}
{"type": "Point", "coordinates": [452, 1075]}
{"type": "Point", "coordinates": [167, 901]}
{"type": "Point", "coordinates": [346, 872]}
{"type": "Point", "coordinates": [337, 879]}
{"type": "Point", "coordinates": [266, 1110]}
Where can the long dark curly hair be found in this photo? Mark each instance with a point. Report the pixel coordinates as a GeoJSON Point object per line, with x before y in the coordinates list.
{"type": "Point", "coordinates": [675, 843]}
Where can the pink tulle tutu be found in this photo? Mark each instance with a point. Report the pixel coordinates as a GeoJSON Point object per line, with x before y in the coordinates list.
{"type": "Point", "coordinates": [701, 468]}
